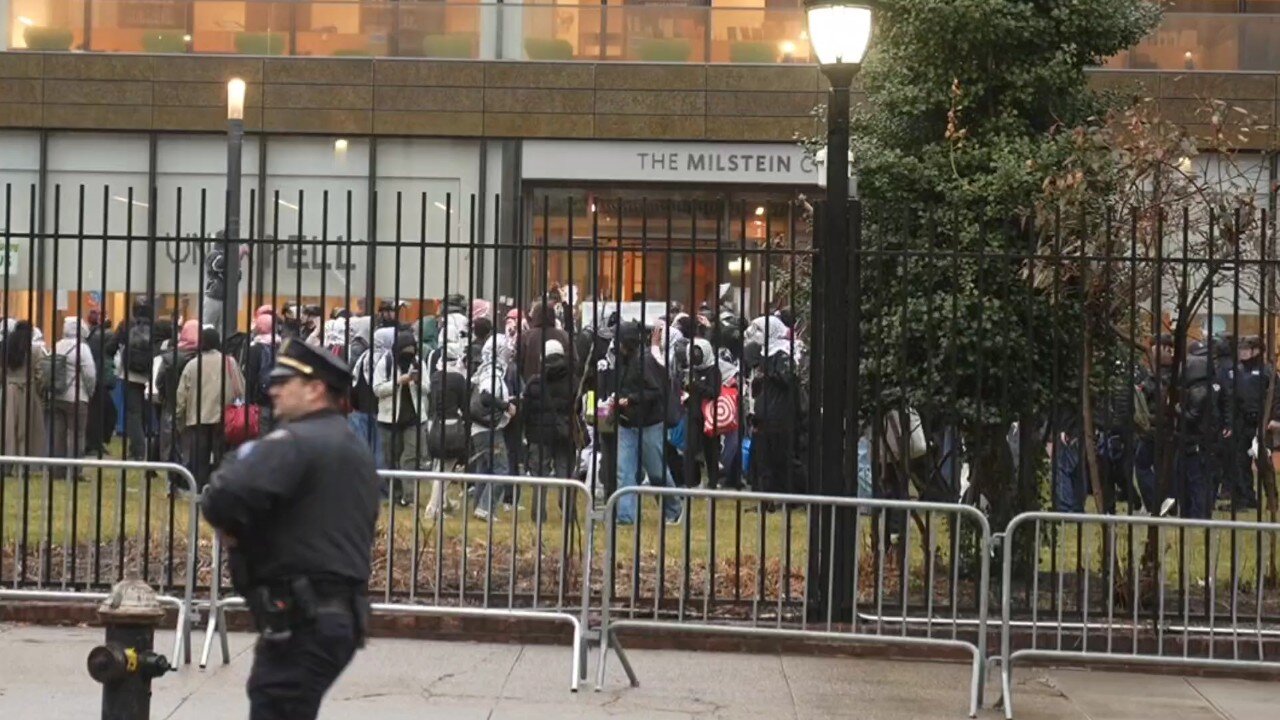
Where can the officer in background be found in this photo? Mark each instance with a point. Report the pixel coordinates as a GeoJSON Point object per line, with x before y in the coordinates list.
{"type": "Point", "coordinates": [1153, 383]}
{"type": "Point", "coordinates": [1247, 382]}
{"type": "Point", "coordinates": [297, 509]}
{"type": "Point", "coordinates": [1200, 427]}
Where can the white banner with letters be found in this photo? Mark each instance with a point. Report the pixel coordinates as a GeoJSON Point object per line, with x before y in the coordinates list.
{"type": "Point", "coordinates": [657, 161]}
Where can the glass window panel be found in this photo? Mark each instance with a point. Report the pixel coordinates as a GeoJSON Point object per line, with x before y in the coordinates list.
{"type": "Point", "coordinates": [19, 174]}
{"type": "Point", "coordinates": [322, 256]}
{"type": "Point", "coordinates": [96, 215]}
{"type": "Point", "coordinates": [433, 182]}
{"type": "Point", "coordinates": [191, 186]}
{"type": "Point", "coordinates": [46, 24]}
{"type": "Point", "coordinates": [661, 247]}
{"type": "Point", "coordinates": [140, 25]}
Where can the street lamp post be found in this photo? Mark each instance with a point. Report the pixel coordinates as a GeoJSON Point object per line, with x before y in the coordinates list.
{"type": "Point", "coordinates": [839, 32]}
{"type": "Point", "coordinates": [231, 233]}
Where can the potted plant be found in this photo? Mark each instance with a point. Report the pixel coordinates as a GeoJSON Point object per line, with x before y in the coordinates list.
{"type": "Point", "coordinates": [449, 45]}
{"type": "Point", "coordinates": [172, 40]}
{"type": "Point", "coordinates": [261, 43]}
{"type": "Point", "coordinates": [752, 52]}
{"type": "Point", "coordinates": [47, 38]}
{"type": "Point", "coordinates": [548, 49]}
{"type": "Point", "coordinates": [665, 50]}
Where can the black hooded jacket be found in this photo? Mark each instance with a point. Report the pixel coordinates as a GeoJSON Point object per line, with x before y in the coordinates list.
{"type": "Point", "coordinates": [548, 403]}
{"type": "Point", "coordinates": [542, 327]}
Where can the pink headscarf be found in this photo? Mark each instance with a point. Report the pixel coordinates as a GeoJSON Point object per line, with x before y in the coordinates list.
{"type": "Point", "coordinates": [480, 308]}
{"type": "Point", "coordinates": [263, 325]}
{"type": "Point", "coordinates": [515, 323]}
{"type": "Point", "coordinates": [189, 336]}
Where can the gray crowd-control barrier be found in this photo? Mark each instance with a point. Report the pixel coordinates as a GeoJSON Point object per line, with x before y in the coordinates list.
{"type": "Point", "coordinates": [779, 609]}
{"type": "Point", "coordinates": [67, 580]}
{"type": "Point", "coordinates": [525, 572]}
{"type": "Point", "coordinates": [1138, 590]}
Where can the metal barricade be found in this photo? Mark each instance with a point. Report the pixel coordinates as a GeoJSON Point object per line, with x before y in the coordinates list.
{"type": "Point", "coordinates": [900, 555]}
{"type": "Point", "coordinates": [424, 558]}
{"type": "Point", "coordinates": [1139, 590]}
{"type": "Point", "coordinates": [181, 642]}
{"type": "Point", "coordinates": [80, 559]}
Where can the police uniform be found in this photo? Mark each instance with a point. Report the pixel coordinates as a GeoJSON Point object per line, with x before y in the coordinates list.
{"type": "Point", "coordinates": [1247, 383]}
{"type": "Point", "coordinates": [301, 504]}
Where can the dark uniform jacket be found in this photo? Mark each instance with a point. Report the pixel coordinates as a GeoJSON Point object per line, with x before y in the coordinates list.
{"type": "Point", "coordinates": [1200, 410]}
{"type": "Point", "coordinates": [302, 501]}
{"type": "Point", "coordinates": [1245, 386]}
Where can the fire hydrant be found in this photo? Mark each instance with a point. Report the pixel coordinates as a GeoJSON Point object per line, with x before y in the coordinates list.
{"type": "Point", "coordinates": [125, 664]}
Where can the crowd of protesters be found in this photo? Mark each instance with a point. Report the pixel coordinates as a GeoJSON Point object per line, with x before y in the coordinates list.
{"type": "Point", "coordinates": [554, 388]}
{"type": "Point", "coordinates": [613, 394]}
{"type": "Point", "coordinates": [564, 389]}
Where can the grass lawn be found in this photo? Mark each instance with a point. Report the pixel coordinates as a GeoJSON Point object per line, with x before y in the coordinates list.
{"type": "Point", "coordinates": [723, 550]}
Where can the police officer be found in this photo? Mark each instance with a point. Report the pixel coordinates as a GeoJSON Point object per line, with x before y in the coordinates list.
{"type": "Point", "coordinates": [1199, 430]}
{"type": "Point", "coordinates": [1247, 381]}
{"type": "Point", "coordinates": [297, 509]}
{"type": "Point", "coordinates": [1153, 383]}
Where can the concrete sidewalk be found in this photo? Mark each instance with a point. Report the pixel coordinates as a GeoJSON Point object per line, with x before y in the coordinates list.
{"type": "Point", "coordinates": [44, 677]}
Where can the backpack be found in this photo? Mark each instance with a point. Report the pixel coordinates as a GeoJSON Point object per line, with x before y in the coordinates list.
{"type": "Point", "coordinates": [362, 398]}
{"type": "Point", "coordinates": [446, 429]}
{"type": "Point", "coordinates": [139, 350]}
{"type": "Point", "coordinates": [488, 401]}
{"type": "Point", "coordinates": [54, 374]}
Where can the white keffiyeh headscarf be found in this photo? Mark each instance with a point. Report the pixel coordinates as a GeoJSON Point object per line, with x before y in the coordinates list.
{"type": "Point", "coordinates": [384, 339]}
{"type": "Point", "coordinates": [771, 334]}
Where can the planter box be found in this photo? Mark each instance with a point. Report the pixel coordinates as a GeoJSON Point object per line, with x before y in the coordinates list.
{"type": "Point", "coordinates": [450, 45]}
{"type": "Point", "coordinates": [165, 41]}
{"type": "Point", "coordinates": [46, 38]}
{"type": "Point", "coordinates": [548, 49]}
{"type": "Point", "coordinates": [753, 52]}
{"type": "Point", "coordinates": [665, 50]}
{"type": "Point", "coordinates": [264, 43]}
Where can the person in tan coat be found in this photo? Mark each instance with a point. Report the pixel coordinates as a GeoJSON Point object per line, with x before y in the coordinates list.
{"type": "Point", "coordinates": [207, 385]}
{"type": "Point", "coordinates": [23, 431]}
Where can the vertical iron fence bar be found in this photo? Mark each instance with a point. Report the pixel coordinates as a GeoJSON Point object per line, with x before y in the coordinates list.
{"type": "Point", "coordinates": [46, 565]}
{"type": "Point", "coordinates": [4, 362]}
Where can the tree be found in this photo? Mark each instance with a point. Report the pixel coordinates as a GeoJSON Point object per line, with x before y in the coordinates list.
{"type": "Point", "coordinates": [1187, 227]}
{"type": "Point", "coordinates": [970, 106]}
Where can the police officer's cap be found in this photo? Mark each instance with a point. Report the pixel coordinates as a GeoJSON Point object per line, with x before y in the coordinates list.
{"type": "Point", "coordinates": [1251, 342]}
{"type": "Point", "coordinates": [298, 359]}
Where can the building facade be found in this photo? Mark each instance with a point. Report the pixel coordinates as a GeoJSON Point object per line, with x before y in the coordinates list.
{"type": "Point", "coordinates": [388, 138]}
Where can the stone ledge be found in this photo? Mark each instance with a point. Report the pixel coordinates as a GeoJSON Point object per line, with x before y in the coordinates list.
{"type": "Point", "coordinates": [494, 98]}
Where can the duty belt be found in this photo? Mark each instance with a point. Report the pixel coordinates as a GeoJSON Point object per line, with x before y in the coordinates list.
{"type": "Point", "coordinates": [281, 607]}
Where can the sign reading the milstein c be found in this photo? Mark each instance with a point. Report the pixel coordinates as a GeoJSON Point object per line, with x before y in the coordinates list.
{"type": "Point", "coordinates": [745, 163]}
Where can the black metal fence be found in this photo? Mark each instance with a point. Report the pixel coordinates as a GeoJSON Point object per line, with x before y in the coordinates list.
{"type": "Point", "coordinates": [1033, 365]}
